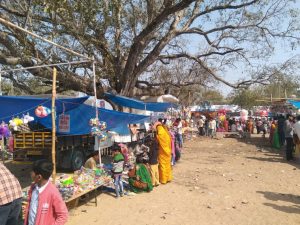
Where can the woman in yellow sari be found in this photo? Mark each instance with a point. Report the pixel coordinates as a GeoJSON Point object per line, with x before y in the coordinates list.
{"type": "Point", "coordinates": [164, 153]}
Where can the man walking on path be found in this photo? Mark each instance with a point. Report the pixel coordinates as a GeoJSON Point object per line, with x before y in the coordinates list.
{"type": "Point", "coordinates": [289, 137]}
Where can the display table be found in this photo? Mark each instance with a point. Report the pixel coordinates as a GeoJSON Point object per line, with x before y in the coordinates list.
{"type": "Point", "coordinates": [75, 199]}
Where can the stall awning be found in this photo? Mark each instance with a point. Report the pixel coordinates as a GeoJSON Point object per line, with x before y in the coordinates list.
{"type": "Point", "coordinates": [81, 115]}
{"type": "Point", "coordinates": [136, 104]}
{"type": "Point", "coordinates": [296, 104]}
{"type": "Point", "coordinates": [17, 106]}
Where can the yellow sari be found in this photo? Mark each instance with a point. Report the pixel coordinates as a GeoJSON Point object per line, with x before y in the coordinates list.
{"type": "Point", "coordinates": [164, 154]}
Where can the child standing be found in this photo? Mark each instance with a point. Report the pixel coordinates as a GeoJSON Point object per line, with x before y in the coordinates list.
{"type": "Point", "coordinates": [45, 204]}
{"type": "Point", "coordinates": [118, 167]}
{"type": "Point", "coordinates": [153, 161]}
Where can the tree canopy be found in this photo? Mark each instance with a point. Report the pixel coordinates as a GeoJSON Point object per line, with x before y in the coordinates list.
{"type": "Point", "coordinates": [130, 38]}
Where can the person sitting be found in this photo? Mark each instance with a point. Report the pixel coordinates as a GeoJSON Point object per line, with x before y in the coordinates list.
{"type": "Point", "coordinates": [91, 163]}
{"type": "Point", "coordinates": [139, 178]}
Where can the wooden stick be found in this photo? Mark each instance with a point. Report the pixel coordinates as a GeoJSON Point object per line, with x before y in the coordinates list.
{"type": "Point", "coordinates": [53, 124]}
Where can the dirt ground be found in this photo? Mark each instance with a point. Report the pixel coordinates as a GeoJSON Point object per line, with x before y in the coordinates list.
{"type": "Point", "coordinates": [228, 181]}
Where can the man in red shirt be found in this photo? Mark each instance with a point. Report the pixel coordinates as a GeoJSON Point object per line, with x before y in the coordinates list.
{"type": "Point", "coordinates": [10, 197]}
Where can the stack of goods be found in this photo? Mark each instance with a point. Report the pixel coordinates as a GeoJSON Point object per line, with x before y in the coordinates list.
{"type": "Point", "coordinates": [65, 185]}
{"type": "Point", "coordinates": [84, 180]}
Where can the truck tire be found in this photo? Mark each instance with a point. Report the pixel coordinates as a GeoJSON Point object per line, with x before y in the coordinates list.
{"type": "Point", "coordinates": [77, 160]}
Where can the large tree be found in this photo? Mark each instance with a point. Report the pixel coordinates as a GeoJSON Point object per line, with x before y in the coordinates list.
{"type": "Point", "coordinates": [129, 37]}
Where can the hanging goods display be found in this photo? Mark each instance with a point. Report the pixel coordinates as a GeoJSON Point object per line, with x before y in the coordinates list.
{"type": "Point", "coordinates": [98, 128]}
{"type": "Point", "coordinates": [42, 111]}
{"type": "Point", "coordinates": [4, 130]}
{"type": "Point", "coordinates": [27, 118]}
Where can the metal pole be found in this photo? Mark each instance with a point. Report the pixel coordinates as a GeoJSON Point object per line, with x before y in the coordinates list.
{"type": "Point", "coordinates": [95, 89]}
{"type": "Point", "coordinates": [42, 66]}
{"type": "Point", "coordinates": [96, 108]}
{"type": "Point", "coordinates": [41, 38]}
{"type": "Point", "coordinates": [53, 124]}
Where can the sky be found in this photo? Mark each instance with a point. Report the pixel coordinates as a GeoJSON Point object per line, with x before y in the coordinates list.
{"type": "Point", "coordinates": [282, 52]}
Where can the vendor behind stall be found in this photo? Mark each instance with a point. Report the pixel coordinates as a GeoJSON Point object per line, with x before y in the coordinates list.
{"type": "Point", "coordinates": [91, 163]}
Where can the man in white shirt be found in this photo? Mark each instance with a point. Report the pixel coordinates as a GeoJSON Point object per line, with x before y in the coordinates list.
{"type": "Point", "coordinates": [179, 132]}
{"type": "Point", "coordinates": [297, 126]}
{"type": "Point", "coordinates": [201, 126]}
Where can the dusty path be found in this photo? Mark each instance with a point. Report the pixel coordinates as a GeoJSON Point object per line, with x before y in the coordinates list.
{"type": "Point", "coordinates": [216, 182]}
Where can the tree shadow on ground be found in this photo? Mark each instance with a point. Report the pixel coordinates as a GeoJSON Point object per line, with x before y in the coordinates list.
{"type": "Point", "coordinates": [273, 196]}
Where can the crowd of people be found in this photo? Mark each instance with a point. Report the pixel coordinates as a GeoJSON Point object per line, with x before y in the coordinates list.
{"type": "Point", "coordinates": [286, 131]}
{"type": "Point", "coordinates": [155, 168]}
{"type": "Point", "coordinates": [45, 205]}
{"type": "Point", "coordinates": [283, 131]}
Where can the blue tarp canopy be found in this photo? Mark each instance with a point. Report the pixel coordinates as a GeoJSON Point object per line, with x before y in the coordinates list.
{"type": "Point", "coordinates": [136, 104]}
{"type": "Point", "coordinates": [80, 116]}
{"type": "Point", "coordinates": [296, 104]}
{"type": "Point", "coordinates": [17, 106]}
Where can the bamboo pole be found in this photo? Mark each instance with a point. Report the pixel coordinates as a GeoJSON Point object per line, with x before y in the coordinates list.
{"type": "Point", "coordinates": [53, 124]}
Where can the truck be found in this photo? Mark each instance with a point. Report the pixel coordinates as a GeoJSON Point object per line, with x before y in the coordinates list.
{"type": "Point", "coordinates": [71, 150]}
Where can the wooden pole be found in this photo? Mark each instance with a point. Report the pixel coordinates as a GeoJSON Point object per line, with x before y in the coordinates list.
{"type": "Point", "coordinates": [53, 124]}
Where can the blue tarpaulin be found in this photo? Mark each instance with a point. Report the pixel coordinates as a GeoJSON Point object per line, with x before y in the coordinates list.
{"type": "Point", "coordinates": [80, 116]}
{"type": "Point", "coordinates": [17, 106]}
{"type": "Point", "coordinates": [136, 104]}
{"type": "Point", "coordinates": [296, 104]}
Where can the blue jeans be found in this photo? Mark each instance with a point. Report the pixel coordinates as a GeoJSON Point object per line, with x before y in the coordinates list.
{"type": "Point", "coordinates": [179, 139]}
{"type": "Point", "coordinates": [9, 213]}
{"type": "Point", "coordinates": [118, 184]}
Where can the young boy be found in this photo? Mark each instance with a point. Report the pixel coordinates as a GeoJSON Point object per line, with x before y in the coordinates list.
{"type": "Point", "coordinates": [118, 167]}
{"type": "Point", "coordinates": [153, 161]}
{"type": "Point", "coordinates": [45, 204]}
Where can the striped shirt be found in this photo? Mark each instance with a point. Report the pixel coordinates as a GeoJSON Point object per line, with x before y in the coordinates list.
{"type": "Point", "coordinates": [10, 188]}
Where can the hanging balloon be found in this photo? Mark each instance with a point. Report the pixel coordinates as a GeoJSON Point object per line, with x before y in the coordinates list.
{"type": "Point", "coordinates": [102, 125]}
{"type": "Point", "coordinates": [222, 118]}
{"type": "Point", "coordinates": [94, 122]}
{"type": "Point", "coordinates": [95, 131]}
{"type": "Point", "coordinates": [27, 119]}
{"type": "Point", "coordinates": [102, 136]}
{"type": "Point", "coordinates": [244, 114]}
{"type": "Point", "coordinates": [17, 121]}
{"type": "Point", "coordinates": [4, 131]}
{"type": "Point", "coordinates": [12, 123]}
{"type": "Point", "coordinates": [263, 113]}
{"type": "Point", "coordinates": [42, 111]}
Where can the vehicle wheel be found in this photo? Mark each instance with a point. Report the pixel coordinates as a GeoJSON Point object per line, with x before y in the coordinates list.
{"type": "Point", "coordinates": [77, 160]}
